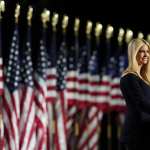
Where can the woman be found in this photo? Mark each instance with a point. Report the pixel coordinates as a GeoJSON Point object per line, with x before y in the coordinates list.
{"type": "Point", "coordinates": [135, 87]}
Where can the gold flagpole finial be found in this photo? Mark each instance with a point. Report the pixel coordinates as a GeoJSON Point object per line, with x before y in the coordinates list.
{"type": "Point", "coordinates": [17, 13]}
{"type": "Point", "coordinates": [76, 25]}
{"type": "Point", "coordinates": [109, 31]}
{"type": "Point", "coordinates": [45, 16]}
{"type": "Point", "coordinates": [129, 35]}
{"type": "Point", "coordinates": [89, 27]}
{"type": "Point", "coordinates": [140, 35]}
{"type": "Point", "coordinates": [65, 22]}
{"type": "Point", "coordinates": [98, 29]}
{"type": "Point", "coordinates": [121, 35]}
{"type": "Point", "coordinates": [55, 21]}
{"type": "Point", "coordinates": [2, 8]}
{"type": "Point", "coordinates": [29, 15]}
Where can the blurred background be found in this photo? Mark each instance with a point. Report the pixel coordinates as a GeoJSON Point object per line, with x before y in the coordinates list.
{"type": "Point", "coordinates": [71, 60]}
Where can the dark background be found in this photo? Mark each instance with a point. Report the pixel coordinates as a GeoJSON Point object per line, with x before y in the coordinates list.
{"type": "Point", "coordinates": [126, 14]}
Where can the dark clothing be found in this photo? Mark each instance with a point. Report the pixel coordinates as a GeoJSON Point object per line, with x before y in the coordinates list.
{"type": "Point", "coordinates": [136, 130]}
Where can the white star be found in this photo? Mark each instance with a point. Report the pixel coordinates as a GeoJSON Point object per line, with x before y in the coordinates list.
{"type": "Point", "coordinates": [30, 77]}
{"type": "Point", "coordinates": [14, 38]}
{"type": "Point", "coordinates": [28, 58]}
{"type": "Point", "coordinates": [42, 47]}
{"type": "Point", "coordinates": [8, 80]}
{"type": "Point", "coordinates": [16, 78]}
{"type": "Point", "coordinates": [29, 49]}
{"type": "Point", "coordinates": [31, 83]}
{"type": "Point", "coordinates": [44, 64]}
{"type": "Point", "coordinates": [64, 60]}
{"type": "Point", "coordinates": [16, 52]}
{"type": "Point", "coordinates": [16, 84]}
{"type": "Point", "coordinates": [65, 69]}
{"type": "Point", "coordinates": [8, 73]}
{"type": "Point", "coordinates": [9, 68]}
{"type": "Point", "coordinates": [11, 56]}
{"type": "Point", "coordinates": [43, 59]}
{"type": "Point", "coordinates": [28, 44]}
{"type": "Point", "coordinates": [17, 72]}
{"type": "Point", "coordinates": [41, 41]}
{"type": "Point", "coordinates": [28, 71]}
{"type": "Point", "coordinates": [18, 67]}
{"type": "Point", "coordinates": [30, 63]}
{"type": "Point", "coordinates": [12, 49]}
{"type": "Point", "coordinates": [58, 62]}
{"type": "Point", "coordinates": [15, 58]}
{"type": "Point", "coordinates": [42, 53]}
{"type": "Point", "coordinates": [15, 32]}
{"type": "Point", "coordinates": [10, 62]}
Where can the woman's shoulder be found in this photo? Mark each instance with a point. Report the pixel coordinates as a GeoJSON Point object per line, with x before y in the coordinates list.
{"type": "Point", "coordinates": [129, 75]}
{"type": "Point", "coordinates": [128, 78]}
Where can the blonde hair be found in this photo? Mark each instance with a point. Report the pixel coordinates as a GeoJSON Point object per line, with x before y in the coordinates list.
{"type": "Point", "coordinates": [133, 48]}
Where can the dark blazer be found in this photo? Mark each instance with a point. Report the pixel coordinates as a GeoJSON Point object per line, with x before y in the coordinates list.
{"type": "Point", "coordinates": [137, 96]}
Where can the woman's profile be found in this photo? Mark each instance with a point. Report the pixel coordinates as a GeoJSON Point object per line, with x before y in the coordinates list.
{"type": "Point", "coordinates": [135, 87]}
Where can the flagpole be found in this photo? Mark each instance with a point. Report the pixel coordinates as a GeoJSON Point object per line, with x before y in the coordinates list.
{"type": "Point", "coordinates": [88, 38]}
{"type": "Point", "coordinates": [54, 23]}
{"type": "Point", "coordinates": [76, 126]}
{"type": "Point", "coordinates": [109, 34]}
{"type": "Point", "coordinates": [120, 44]}
{"type": "Point", "coordinates": [98, 32]}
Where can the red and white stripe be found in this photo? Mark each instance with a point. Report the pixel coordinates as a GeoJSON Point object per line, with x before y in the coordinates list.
{"type": "Point", "coordinates": [72, 108]}
{"type": "Point", "coordinates": [41, 112]}
{"type": "Point", "coordinates": [27, 119]}
{"type": "Point", "coordinates": [86, 93]}
{"type": "Point", "coordinates": [117, 101]}
{"type": "Point", "coordinates": [11, 112]}
{"type": "Point", "coordinates": [71, 84]}
{"type": "Point", "coordinates": [89, 131]}
{"type": "Point", "coordinates": [90, 136]}
{"type": "Point", "coordinates": [50, 100]}
{"type": "Point", "coordinates": [60, 118]}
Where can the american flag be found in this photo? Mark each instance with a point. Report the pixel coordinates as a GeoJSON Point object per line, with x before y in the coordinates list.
{"type": "Point", "coordinates": [51, 93]}
{"type": "Point", "coordinates": [84, 94]}
{"type": "Point", "coordinates": [105, 87]}
{"type": "Point", "coordinates": [90, 133]}
{"type": "Point", "coordinates": [27, 106]}
{"type": "Point", "coordinates": [11, 100]}
{"type": "Point", "coordinates": [72, 82]}
{"type": "Point", "coordinates": [1, 92]}
{"type": "Point", "coordinates": [41, 94]}
{"type": "Point", "coordinates": [60, 105]}
{"type": "Point", "coordinates": [117, 102]}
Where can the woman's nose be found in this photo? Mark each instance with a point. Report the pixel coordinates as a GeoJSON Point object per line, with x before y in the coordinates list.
{"type": "Point", "coordinates": [146, 54]}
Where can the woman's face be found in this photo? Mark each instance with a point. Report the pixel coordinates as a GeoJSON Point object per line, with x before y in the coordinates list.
{"type": "Point", "coordinates": [143, 55]}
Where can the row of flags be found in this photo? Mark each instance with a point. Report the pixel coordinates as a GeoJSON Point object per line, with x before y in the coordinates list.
{"type": "Point", "coordinates": [58, 104]}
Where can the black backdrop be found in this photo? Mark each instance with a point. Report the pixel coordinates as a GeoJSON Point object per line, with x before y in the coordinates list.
{"type": "Point", "coordinates": [124, 14]}
{"type": "Point", "coordinates": [119, 14]}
